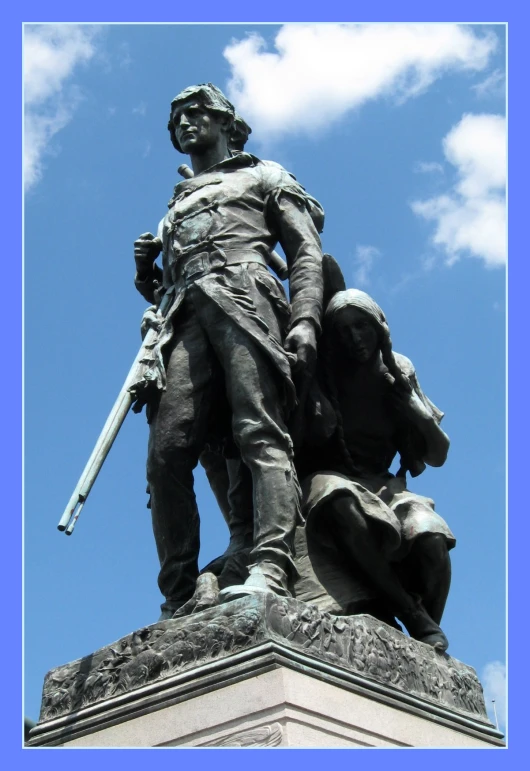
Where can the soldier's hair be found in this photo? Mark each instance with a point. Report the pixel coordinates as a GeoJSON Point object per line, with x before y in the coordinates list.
{"type": "Point", "coordinates": [213, 99]}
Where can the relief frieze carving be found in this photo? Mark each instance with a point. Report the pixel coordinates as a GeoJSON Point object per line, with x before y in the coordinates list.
{"type": "Point", "coordinates": [359, 644]}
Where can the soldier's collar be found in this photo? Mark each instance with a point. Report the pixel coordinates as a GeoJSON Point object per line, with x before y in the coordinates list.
{"type": "Point", "coordinates": [236, 160]}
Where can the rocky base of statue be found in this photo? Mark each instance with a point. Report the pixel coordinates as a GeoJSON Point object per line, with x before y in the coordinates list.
{"type": "Point", "coordinates": [264, 671]}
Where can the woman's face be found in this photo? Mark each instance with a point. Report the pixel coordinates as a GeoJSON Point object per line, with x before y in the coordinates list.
{"type": "Point", "coordinates": [356, 334]}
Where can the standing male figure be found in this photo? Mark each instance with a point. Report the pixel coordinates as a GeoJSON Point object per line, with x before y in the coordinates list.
{"type": "Point", "coordinates": [226, 336]}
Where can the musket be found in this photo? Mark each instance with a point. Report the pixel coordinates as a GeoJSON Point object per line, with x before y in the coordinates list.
{"type": "Point", "coordinates": [110, 430]}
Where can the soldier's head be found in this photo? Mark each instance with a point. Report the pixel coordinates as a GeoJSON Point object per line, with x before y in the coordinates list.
{"type": "Point", "coordinates": [200, 115]}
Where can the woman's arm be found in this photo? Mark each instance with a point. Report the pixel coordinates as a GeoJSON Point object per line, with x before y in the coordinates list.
{"type": "Point", "coordinates": [424, 416]}
{"type": "Point", "coordinates": [436, 440]}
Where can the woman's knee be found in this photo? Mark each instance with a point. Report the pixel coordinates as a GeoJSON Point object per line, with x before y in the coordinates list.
{"type": "Point", "coordinates": [346, 514]}
{"type": "Point", "coordinates": [432, 548]}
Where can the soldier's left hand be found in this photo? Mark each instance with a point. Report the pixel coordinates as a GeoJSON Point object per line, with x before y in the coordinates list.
{"type": "Point", "coordinates": [302, 341]}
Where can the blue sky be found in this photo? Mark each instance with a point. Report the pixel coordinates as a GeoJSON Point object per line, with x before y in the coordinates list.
{"type": "Point", "coordinates": [407, 160]}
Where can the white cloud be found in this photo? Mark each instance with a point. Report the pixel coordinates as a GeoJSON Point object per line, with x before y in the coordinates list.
{"type": "Point", "coordinates": [494, 684]}
{"type": "Point", "coordinates": [363, 261]}
{"type": "Point", "coordinates": [428, 168]}
{"type": "Point", "coordinates": [140, 109]}
{"type": "Point", "coordinates": [318, 72]}
{"type": "Point", "coordinates": [493, 85]}
{"type": "Point", "coordinates": [51, 54]}
{"type": "Point", "coordinates": [428, 261]}
{"type": "Point", "coordinates": [470, 218]}
{"type": "Point", "coordinates": [124, 55]}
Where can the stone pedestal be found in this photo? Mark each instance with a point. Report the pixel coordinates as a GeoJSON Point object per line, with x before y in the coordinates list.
{"type": "Point", "coordinates": [265, 672]}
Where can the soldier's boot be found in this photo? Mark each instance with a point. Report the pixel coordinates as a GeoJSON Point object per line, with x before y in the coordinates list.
{"type": "Point", "coordinates": [264, 576]}
{"type": "Point", "coordinates": [206, 595]}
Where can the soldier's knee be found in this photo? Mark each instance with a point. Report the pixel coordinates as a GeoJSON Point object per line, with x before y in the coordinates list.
{"type": "Point", "coordinates": [261, 442]}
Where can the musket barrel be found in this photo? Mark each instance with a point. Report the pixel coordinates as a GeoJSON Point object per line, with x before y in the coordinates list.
{"type": "Point", "coordinates": [99, 454]}
{"type": "Point", "coordinates": [69, 511]}
{"type": "Point", "coordinates": [108, 434]}
{"type": "Point", "coordinates": [70, 528]}
{"type": "Point", "coordinates": [278, 265]}
{"type": "Point", "coordinates": [185, 171]}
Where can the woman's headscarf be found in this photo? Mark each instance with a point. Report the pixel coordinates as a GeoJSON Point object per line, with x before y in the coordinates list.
{"type": "Point", "coordinates": [411, 451]}
{"type": "Point", "coordinates": [356, 298]}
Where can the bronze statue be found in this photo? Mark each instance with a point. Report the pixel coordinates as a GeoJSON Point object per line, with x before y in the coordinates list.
{"type": "Point", "coordinates": [228, 340]}
{"type": "Point", "coordinates": [229, 373]}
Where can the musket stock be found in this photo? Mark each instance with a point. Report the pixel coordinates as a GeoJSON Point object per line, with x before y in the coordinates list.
{"type": "Point", "coordinates": [108, 434]}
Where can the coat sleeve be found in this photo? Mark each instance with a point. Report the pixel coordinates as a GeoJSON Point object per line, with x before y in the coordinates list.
{"type": "Point", "coordinates": [296, 218]}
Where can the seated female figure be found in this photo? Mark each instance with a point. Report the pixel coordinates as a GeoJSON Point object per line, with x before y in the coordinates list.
{"type": "Point", "coordinates": [369, 544]}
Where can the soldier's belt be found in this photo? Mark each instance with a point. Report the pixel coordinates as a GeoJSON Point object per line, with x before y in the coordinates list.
{"type": "Point", "coordinates": [202, 263]}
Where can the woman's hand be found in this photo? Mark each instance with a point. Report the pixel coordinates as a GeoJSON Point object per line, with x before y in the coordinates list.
{"type": "Point", "coordinates": [409, 404]}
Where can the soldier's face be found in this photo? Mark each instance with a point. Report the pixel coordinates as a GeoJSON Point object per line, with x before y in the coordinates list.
{"type": "Point", "coordinates": [196, 129]}
{"type": "Point", "coordinates": [356, 333]}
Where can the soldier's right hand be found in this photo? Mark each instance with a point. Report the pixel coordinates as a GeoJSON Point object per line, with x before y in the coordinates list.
{"type": "Point", "coordinates": [146, 249]}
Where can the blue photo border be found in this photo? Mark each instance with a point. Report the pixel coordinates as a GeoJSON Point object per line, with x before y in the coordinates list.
{"type": "Point", "coordinates": [11, 383]}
